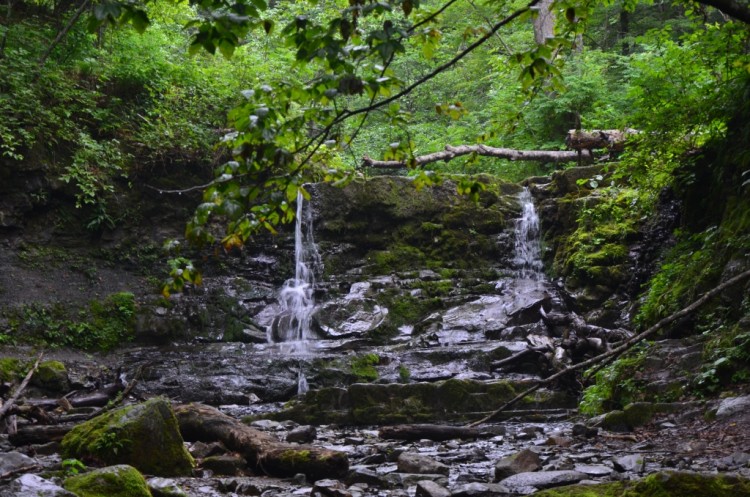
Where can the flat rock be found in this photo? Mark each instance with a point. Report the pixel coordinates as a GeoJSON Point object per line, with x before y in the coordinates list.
{"type": "Point", "coordinates": [632, 463]}
{"type": "Point", "coordinates": [596, 470]}
{"type": "Point", "coordinates": [302, 434]}
{"type": "Point", "coordinates": [34, 486]}
{"type": "Point", "coordinates": [409, 462]}
{"type": "Point", "coordinates": [427, 488]}
{"type": "Point", "coordinates": [732, 406]}
{"type": "Point", "coordinates": [543, 479]}
{"type": "Point", "coordinates": [164, 487]}
{"type": "Point", "coordinates": [477, 489]}
{"type": "Point", "coordinates": [524, 461]}
{"type": "Point", "coordinates": [13, 462]}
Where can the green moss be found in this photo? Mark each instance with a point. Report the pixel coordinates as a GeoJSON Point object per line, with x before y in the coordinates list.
{"type": "Point", "coordinates": [10, 369]}
{"type": "Point", "coordinates": [363, 367]}
{"type": "Point", "coordinates": [51, 375]}
{"type": "Point", "coordinates": [113, 481]}
{"type": "Point", "coordinates": [144, 435]}
{"type": "Point", "coordinates": [615, 385]}
{"type": "Point", "coordinates": [665, 484]}
{"type": "Point", "coordinates": [293, 457]}
{"type": "Point", "coordinates": [102, 325]}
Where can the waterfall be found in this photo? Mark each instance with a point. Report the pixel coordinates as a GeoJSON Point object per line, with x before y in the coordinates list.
{"type": "Point", "coordinates": [296, 296]}
{"type": "Point", "coordinates": [527, 244]}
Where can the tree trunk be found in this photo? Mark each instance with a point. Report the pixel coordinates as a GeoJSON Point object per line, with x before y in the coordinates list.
{"type": "Point", "coordinates": [262, 451]}
{"type": "Point", "coordinates": [544, 22]}
{"type": "Point", "coordinates": [612, 139]}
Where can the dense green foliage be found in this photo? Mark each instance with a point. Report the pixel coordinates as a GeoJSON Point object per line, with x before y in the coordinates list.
{"type": "Point", "coordinates": [102, 326]}
{"type": "Point", "coordinates": [312, 88]}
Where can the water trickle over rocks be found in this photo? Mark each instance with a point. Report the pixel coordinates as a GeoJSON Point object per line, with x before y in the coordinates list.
{"type": "Point", "coordinates": [430, 308]}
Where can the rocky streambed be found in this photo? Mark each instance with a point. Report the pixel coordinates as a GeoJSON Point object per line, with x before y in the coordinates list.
{"type": "Point", "coordinates": [427, 312]}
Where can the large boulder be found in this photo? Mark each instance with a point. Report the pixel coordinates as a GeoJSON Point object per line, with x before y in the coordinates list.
{"type": "Point", "coordinates": [112, 481]}
{"type": "Point", "coordinates": [143, 435]}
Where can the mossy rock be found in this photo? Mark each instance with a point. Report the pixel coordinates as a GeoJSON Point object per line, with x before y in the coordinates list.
{"type": "Point", "coordinates": [10, 369]}
{"type": "Point", "coordinates": [112, 481]}
{"type": "Point", "coordinates": [51, 376]}
{"type": "Point", "coordinates": [665, 484]}
{"type": "Point", "coordinates": [450, 400]}
{"type": "Point", "coordinates": [143, 435]}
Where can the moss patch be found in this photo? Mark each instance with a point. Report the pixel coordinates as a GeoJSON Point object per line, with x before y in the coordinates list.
{"type": "Point", "coordinates": [51, 376]}
{"type": "Point", "coordinates": [666, 484]}
{"type": "Point", "coordinates": [10, 369]}
{"type": "Point", "coordinates": [113, 481]}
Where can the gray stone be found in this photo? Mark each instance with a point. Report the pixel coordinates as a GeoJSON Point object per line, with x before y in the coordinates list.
{"type": "Point", "coordinates": [409, 462]}
{"type": "Point", "coordinates": [200, 450]}
{"type": "Point", "coordinates": [596, 470]}
{"type": "Point", "coordinates": [13, 462]}
{"type": "Point", "coordinates": [521, 462]}
{"type": "Point", "coordinates": [542, 479]}
{"type": "Point", "coordinates": [34, 486]}
{"type": "Point", "coordinates": [409, 479]}
{"type": "Point", "coordinates": [477, 489]}
{"type": "Point", "coordinates": [165, 487]}
{"type": "Point", "coordinates": [302, 434]}
{"type": "Point", "coordinates": [329, 488]}
{"type": "Point", "coordinates": [732, 406]}
{"type": "Point", "coordinates": [361, 474]}
{"type": "Point", "coordinates": [427, 488]}
{"type": "Point", "coordinates": [266, 424]}
{"type": "Point", "coordinates": [349, 317]}
{"type": "Point", "coordinates": [632, 463]}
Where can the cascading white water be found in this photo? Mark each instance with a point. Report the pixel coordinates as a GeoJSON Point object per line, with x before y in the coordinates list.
{"type": "Point", "coordinates": [527, 245]}
{"type": "Point", "coordinates": [296, 296]}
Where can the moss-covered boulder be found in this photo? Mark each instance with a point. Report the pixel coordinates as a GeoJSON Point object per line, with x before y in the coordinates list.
{"type": "Point", "coordinates": [666, 484]}
{"type": "Point", "coordinates": [51, 376]}
{"type": "Point", "coordinates": [112, 481]}
{"type": "Point", "coordinates": [143, 435]}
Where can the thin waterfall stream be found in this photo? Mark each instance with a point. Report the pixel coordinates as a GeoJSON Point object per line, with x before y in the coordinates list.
{"type": "Point", "coordinates": [527, 240]}
{"type": "Point", "coordinates": [292, 329]}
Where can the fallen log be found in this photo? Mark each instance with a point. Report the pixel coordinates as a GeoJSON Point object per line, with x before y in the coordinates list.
{"type": "Point", "coordinates": [611, 139]}
{"type": "Point", "coordinates": [450, 152]}
{"type": "Point", "coordinates": [35, 434]}
{"type": "Point", "coordinates": [437, 433]}
{"type": "Point", "coordinates": [262, 451]}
